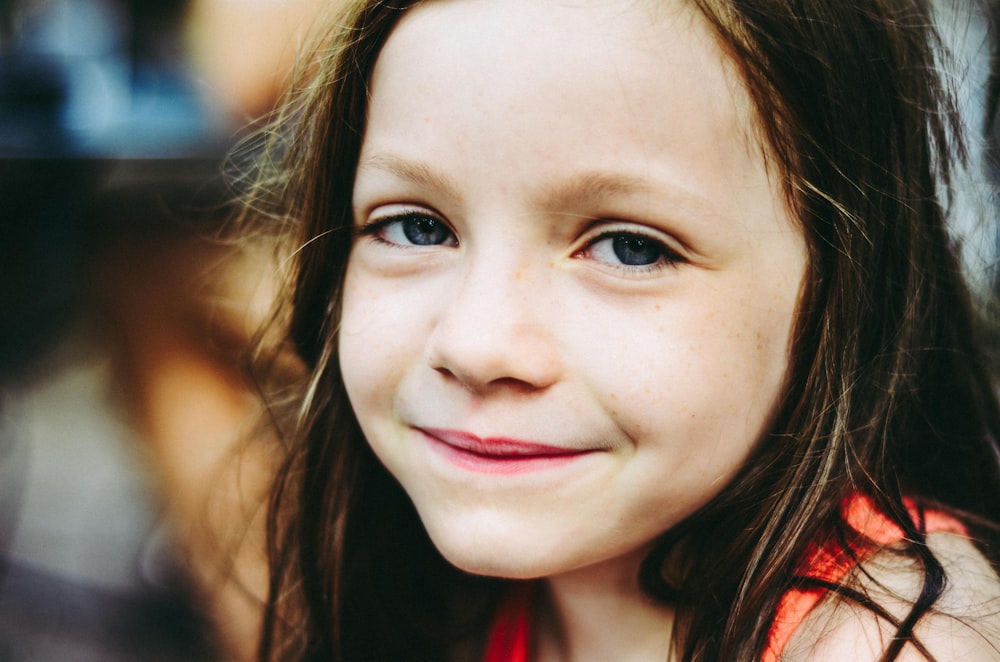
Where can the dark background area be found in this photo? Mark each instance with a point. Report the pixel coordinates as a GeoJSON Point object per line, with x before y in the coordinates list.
{"type": "Point", "coordinates": [106, 150]}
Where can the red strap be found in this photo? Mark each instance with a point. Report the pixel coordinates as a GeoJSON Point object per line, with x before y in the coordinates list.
{"type": "Point", "coordinates": [831, 563]}
{"type": "Point", "coordinates": [509, 638]}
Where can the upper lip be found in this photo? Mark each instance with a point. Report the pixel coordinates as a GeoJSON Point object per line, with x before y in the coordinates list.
{"type": "Point", "coordinates": [496, 446]}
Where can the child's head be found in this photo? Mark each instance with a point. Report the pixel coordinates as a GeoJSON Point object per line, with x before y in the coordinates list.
{"type": "Point", "coordinates": [567, 314]}
{"type": "Point", "coordinates": [593, 279]}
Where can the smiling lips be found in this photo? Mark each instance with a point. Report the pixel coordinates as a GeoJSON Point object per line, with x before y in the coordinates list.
{"type": "Point", "coordinates": [497, 455]}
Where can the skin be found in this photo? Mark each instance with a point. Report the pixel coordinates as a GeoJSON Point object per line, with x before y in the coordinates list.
{"type": "Point", "coordinates": [527, 162]}
{"type": "Point", "coordinates": [964, 624]}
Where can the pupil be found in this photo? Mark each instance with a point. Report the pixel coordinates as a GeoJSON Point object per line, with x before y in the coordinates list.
{"type": "Point", "coordinates": [636, 251]}
{"type": "Point", "coordinates": [424, 231]}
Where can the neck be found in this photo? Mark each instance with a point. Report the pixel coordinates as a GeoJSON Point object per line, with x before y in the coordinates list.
{"type": "Point", "coordinates": [599, 613]}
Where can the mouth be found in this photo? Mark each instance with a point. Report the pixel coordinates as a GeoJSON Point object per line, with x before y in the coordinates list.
{"type": "Point", "coordinates": [498, 455]}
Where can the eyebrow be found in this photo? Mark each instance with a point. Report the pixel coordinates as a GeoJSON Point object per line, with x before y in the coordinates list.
{"type": "Point", "coordinates": [591, 187]}
{"type": "Point", "coordinates": [419, 174]}
{"type": "Point", "coordinates": [582, 189]}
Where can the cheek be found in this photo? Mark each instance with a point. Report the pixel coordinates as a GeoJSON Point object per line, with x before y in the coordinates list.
{"type": "Point", "coordinates": [750, 358]}
{"type": "Point", "coordinates": [369, 341]}
{"type": "Point", "coordinates": [701, 371]}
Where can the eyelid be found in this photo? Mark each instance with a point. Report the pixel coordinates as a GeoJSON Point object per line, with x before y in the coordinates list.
{"type": "Point", "coordinates": [605, 228]}
{"type": "Point", "coordinates": [383, 216]}
{"type": "Point", "coordinates": [388, 212]}
{"type": "Point", "coordinates": [370, 222]}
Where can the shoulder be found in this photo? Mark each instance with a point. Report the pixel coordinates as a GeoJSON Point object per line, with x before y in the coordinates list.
{"type": "Point", "coordinates": [963, 625]}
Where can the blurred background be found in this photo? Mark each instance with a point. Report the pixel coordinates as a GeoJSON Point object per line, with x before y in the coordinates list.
{"type": "Point", "coordinates": [129, 507]}
{"type": "Point", "coordinates": [130, 520]}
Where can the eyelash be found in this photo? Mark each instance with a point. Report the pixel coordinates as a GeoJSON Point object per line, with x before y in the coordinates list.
{"type": "Point", "coordinates": [377, 227]}
{"type": "Point", "coordinates": [665, 256]}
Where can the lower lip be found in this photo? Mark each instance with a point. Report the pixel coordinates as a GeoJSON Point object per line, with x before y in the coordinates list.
{"type": "Point", "coordinates": [500, 464]}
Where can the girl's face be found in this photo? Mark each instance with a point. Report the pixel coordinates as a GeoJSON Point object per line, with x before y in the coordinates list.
{"type": "Point", "coordinates": [567, 315]}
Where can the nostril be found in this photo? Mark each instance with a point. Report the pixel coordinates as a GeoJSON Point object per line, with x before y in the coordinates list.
{"type": "Point", "coordinates": [517, 385]}
{"type": "Point", "coordinates": [474, 384]}
{"type": "Point", "coordinates": [500, 357]}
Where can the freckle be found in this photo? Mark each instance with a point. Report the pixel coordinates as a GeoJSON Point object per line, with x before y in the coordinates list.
{"type": "Point", "coordinates": [658, 306]}
{"type": "Point", "coordinates": [660, 328]}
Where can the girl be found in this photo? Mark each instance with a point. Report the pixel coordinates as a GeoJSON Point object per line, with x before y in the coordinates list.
{"type": "Point", "coordinates": [633, 333]}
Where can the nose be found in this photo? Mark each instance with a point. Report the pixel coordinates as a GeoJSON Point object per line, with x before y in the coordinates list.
{"type": "Point", "coordinates": [495, 331]}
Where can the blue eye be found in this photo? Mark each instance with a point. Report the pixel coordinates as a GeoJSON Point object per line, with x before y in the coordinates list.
{"type": "Point", "coordinates": [636, 250]}
{"type": "Point", "coordinates": [629, 249]}
{"type": "Point", "coordinates": [413, 229]}
{"type": "Point", "coordinates": [424, 231]}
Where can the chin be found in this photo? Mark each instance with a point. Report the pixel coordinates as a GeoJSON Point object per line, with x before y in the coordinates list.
{"type": "Point", "coordinates": [504, 568]}
{"type": "Point", "coordinates": [489, 557]}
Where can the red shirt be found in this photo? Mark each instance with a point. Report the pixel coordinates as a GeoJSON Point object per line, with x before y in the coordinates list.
{"type": "Point", "coordinates": [509, 639]}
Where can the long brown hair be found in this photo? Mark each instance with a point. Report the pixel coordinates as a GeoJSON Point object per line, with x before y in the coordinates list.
{"type": "Point", "coordinates": [887, 392]}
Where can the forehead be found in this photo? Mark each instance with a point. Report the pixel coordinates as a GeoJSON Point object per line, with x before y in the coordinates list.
{"type": "Point", "coordinates": [528, 51]}
{"type": "Point", "coordinates": [600, 84]}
